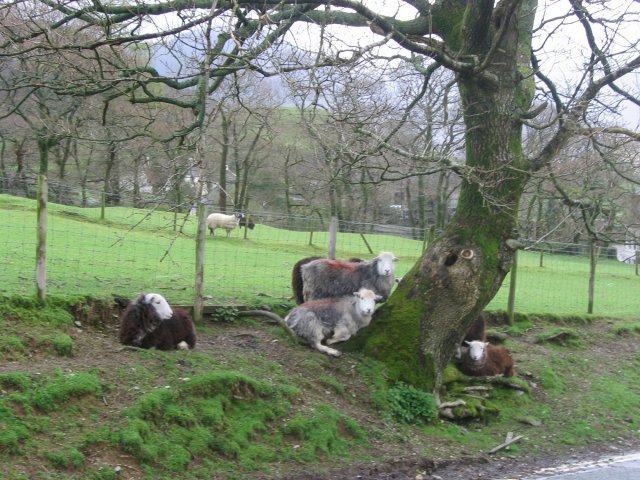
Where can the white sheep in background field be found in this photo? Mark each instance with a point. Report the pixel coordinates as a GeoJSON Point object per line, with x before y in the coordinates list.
{"type": "Point", "coordinates": [326, 278]}
{"type": "Point", "coordinates": [332, 319]}
{"type": "Point", "coordinates": [220, 220]}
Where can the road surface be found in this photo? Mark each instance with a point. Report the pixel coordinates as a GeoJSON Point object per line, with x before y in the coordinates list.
{"type": "Point", "coordinates": [624, 467]}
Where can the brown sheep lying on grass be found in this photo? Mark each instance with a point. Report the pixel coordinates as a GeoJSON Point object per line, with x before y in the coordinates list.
{"type": "Point", "coordinates": [483, 359]}
{"type": "Point", "coordinates": [149, 322]}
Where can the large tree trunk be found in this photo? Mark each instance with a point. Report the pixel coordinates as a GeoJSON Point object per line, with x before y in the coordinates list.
{"type": "Point", "coordinates": [416, 332]}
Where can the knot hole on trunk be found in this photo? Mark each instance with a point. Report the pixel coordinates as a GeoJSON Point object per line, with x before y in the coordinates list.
{"type": "Point", "coordinates": [451, 259]}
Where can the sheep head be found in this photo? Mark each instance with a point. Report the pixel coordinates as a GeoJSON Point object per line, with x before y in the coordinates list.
{"type": "Point", "coordinates": [477, 352]}
{"type": "Point", "coordinates": [386, 263]}
{"type": "Point", "coordinates": [366, 301]}
{"type": "Point", "coordinates": [159, 304]}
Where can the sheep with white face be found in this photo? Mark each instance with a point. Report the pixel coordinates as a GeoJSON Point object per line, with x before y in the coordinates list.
{"type": "Point", "coordinates": [324, 278]}
{"type": "Point", "coordinates": [226, 222]}
{"type": "Point", "coordinates": [483, 359]}
{"type": "Point", "coordinates": [160, 304]}
{"type": "Point", "coordinates": [149, 322]}
{"type": "Point", "coordinates": [332, 320]}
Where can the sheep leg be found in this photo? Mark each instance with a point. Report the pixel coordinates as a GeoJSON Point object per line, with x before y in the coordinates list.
{"type": "Point", "coordinates": [329, 351]}
{"type": "Point", "coordinates": [339, 335]}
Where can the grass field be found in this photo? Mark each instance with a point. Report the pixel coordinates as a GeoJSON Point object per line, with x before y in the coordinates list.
{"type": "Point", "coordinates": [138, 250]}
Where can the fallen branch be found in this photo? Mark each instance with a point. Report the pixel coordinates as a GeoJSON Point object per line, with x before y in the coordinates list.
{"type": "Point", "coordinates": [507, 382]}
{"type": "Point", "coordinates": [509, 440]}
{"type": "Point", "coordinates": [446, 408]}
{"type": "Point", "coordinates": [272, 316]}
{"type": "Point", "coordinates": [477, 388]}
{"type": "Point", "coordinates": [515, 386]}
{"type": "Point", "coordinates": [456, 403]}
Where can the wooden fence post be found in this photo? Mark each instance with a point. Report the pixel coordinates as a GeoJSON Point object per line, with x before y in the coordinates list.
{"type": "Point", "coordinates": [103, 201]}
{"type": "Point", "coordinates": [41, 247]}
{"type": "Point", "coordinates": [594, 252]}
{"type": "Point", "coordinates": [246, 227]}
{"type": "Point", "coordinates": [198, 301]}
{"type": "Point", "coordinates": [512, 289]}
{"type": "Point", "coordinates": [333, 235]}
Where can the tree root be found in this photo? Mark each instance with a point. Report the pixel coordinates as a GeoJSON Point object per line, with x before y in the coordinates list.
{"type": "Point", "coordinates": [272, 316]}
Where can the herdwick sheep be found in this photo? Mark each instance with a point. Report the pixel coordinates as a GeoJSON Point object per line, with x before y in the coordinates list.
{"type": "Point", "coordinates": [228, 222]}
{"type": "Point", "coordinates": [326, 278]}
{"type": "Point", "coordinates": [477, 331]}
{"type": "Point", "coordinates": [296, 276]}
{"type": "Point", "coordinates": [332, 319]}
{"type": "Point", "coordinates": [484, 359]}
{"type": "Point", "coordinates": [149, 321]}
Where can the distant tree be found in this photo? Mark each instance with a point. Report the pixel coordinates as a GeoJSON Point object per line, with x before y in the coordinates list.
{"type": "Point", "coordinates": [339, 109]}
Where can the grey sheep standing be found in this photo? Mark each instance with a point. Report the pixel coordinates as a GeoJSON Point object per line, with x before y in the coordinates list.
{"type": "Point", "coordinates": [296, 276]}
{"type": "Point", "coordinates": [326, 278]}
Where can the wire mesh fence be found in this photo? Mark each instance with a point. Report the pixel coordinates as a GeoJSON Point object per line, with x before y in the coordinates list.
{"type": "Point", "coordinates": [122, 250]}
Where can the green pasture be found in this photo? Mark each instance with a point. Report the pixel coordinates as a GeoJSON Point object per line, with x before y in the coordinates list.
{"type": "Point", "coordinates": [136, 250]}
{"type": "Point", "coordinates": [560, 286]}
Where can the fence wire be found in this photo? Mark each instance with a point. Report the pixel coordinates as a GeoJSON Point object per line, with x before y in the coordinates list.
{"type": "Point", "coordinates": [133, 250]}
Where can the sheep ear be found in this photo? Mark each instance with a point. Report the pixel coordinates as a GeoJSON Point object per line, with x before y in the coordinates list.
{"type": "Point", "coordinates": [395, 259]}
{"type": "Point", "coordinates": [378, 297]}
{"type": "Point", "coordinates": [467, 342]}
{"type": "Point", "coordinates": [355, 294]}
